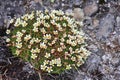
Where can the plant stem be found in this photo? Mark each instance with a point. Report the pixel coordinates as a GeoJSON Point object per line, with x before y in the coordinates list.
{"type": "Point", "coordinates": [39, 73]}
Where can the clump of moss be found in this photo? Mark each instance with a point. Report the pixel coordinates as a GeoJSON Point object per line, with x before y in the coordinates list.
{"type": "Point", "coordinates": [50, 41]}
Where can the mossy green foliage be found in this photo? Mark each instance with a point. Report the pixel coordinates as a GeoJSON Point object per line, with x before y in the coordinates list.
{"type": "Point", "coordinates": [50, 41]}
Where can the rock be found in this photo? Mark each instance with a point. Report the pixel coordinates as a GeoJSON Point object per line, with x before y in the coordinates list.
{"type": "Point", "coordinates": [117, 75]}
{"type": "Point", "coordinates": [36, 6]}
{"type": "Point", "coordinates": [118, 21]}
{"type": "Point", "coordinates": [106, 69]}
{"type": "Point", "coordinates": [1, 23]}
{"type": "Point", "coordinates": [40, 1]}
{"type": "Point", "coordinates": [28, 68]}
{"type": "Point", "coordinates": [106, 57]}
{"type": "Point", "coordinates": [10, 9]}
{"type": "Point", "coordinates": [106, 27]}
{"type": "Point", "coordinates": [91, 9]}
{"type": "Point", "coordinates": [115, 61]}
{"type": "Point", "coordinates": [92, 63]}
{"type": "Point", "coordinates": [88, 22]}
{"type": "Point", "coordinates": [119, 40]}
{"type": "Point", "coordinates": [83, 77]}
{"type": "Point", "coordinates": [69, 11]}
{"type": "Point", "coordinates": [95, 23]}
{"type": "Point", "coordinates": [118, 68]}
{"type": "Point", "coordinates": [78, 13]}
{"type": "Point", "coordinates": [77, 3]}
{"type": "Point", "coordinates": [93, 48]}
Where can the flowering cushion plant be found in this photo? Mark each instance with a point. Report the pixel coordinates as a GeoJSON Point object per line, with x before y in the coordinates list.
{"type": "Point", "coordinates": [51, 41]}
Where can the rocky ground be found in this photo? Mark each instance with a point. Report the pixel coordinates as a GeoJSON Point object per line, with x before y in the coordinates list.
{"type": "Point", "coordinates": [101, 25]}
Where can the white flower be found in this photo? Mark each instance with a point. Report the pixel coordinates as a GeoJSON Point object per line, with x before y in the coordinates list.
{"type": "Point", "coordinates": [52, 22]}
{"type": "Point", "coordinates": [63, 47]}
{"type": "Point", "coordinates": [25, 17]}
{"type": "Point", "coordinates": [49, 69]}
{"type": "Point", "coordinates": [47, 55]}
{"type": "Point", "coordinates": [68, 67]}
{"type": "Point", "coordinates": [38, 13]}
{"type": "Point", "coordinates": [80, 62]}
{"type": "Point", "coordinates": [17, 52]}
{"type": "Point", "coordinates": [37, 50]}
{"type": "Point", "coordinates": [64, 24]}
{"type": "Point", "coordinates": [60, 28]}
{"type": "Point", "coordinates": [77, 51]}
{"type": "Point", "coordinates": [43, 67]}
{"type": "Point", "coordinates": [64, 35]}
{"type": "Point", "coordinates": [84, 52]}
{"type": "Point", "coordinates": [32, 51]}
{"type": "Point", "coordinates": [29, 46]}
{"type": "Point", "coordinates": [35, 29]}
{"type": "Point", "coordinates": [33, 56]}
{"type": "Point", "coordinates": [31, 41]}
{"type": "Point", "coordinates": [45, 62]}
{"type": "Point", "coordinates": [71, 49]}
{"type": "Point", "coordinates": [73, 58]}
{"type": "Point", "coordinates": [43, 30]}
{"type": "Point", "coordinates": [46, 10]}
{"type": "Point", "coordinates": [47, 17]}
{"type": "Point", "coordinates": [49, 44]}
{"type": "Point", "coordinates": [18, 39]}
{"type": "Point", "coordinates": [46, 25]}
{"type": "Point", "coordinates": [79, 58]}
{"type": "Point", "coordinates": [36, 24]}
{"type": "Point", "coordinates": [81, 23]}
{"type": "Point", "coordinates": [37, 40]}
{"type": "Point", "coordinates": [58, 62]}
{"type": "Point", "coordinates": [24, 23]}
{"type": "Point", "coordinates": [7, 40]}
{"type": "Point", "coordinates": [73, 43]}
{"type": "Point", "coordinates": [53, 42]}
{"type": "Point", "coordinates": [55, 32]}
{"type": "Point", "coordinates": [11, 21]}
{"type": "Point", "coordinates": [23, 31]}
{"type": "Point", "coordinates": [18, 45]}
{"type": "Point", "coordinates": [17, 23]}
{"type": "Point", "coordinates": [43, 45]}
{"type": "Point", "coordinates": [61, 43]}
{"type": "Point", "coordinates": [27, 37]}
{"type": "Point", "coordinates": [8, 31]}
{"type": "Point", "coordinates": [31, 16]}
{"type": "Point", "coordinates": [47, 36]}
{"type": "Point", "coordinates": [19, 34]}
{"type": "Point", "coordinates": [52, 50]}
{"type": "Point", "coordinates": [52, 15]}
{"type": "Point", "coordinates": [68, 41]}
{"type": "Point", "coordinates": [62, 39]}
{"type": "Point", "coordinates": [41, 16]}
{"type": "Point", "coordinates": [52, 62]}
{"type": "Point", "coordinates": [45, 41]}
{"type": "Point", "coordinates": [59, 49]}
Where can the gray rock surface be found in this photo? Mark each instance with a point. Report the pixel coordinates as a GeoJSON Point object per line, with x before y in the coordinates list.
{"type": "Point", "coordinates": [118, 21]}
{"type": "Point", "coordinates": [106, 26]}
{"type": "Point", "coordinates": [91, 9]}
{"type": "Point", "coordinates": [10, 9]}
{"type": "Point", "coordinates": [102, 26]}
{"type": "Point", "coordinates": [78, 13]}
